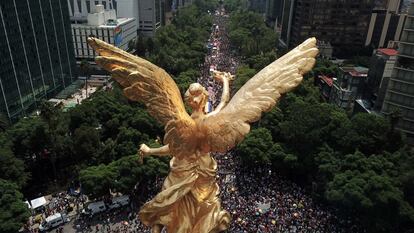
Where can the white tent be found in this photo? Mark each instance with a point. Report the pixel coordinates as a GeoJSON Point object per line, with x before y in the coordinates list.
{"type": "Point", "coordinates": [28, 204]}
{"type": "Point", "coordinates": [40, 201]}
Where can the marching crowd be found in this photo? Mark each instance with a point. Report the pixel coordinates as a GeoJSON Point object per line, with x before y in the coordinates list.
{"type": "Point", "coordinates": [260, 200]}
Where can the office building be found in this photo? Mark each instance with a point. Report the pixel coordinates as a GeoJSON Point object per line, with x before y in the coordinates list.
{"type": "Point", "coordinates": [325, 83]}
{"type": "Point", "coordinates": [151, 14]}
{"type": "Point", "coordinates": [286, 22]}
{"type": "Point", "coordinates": [348, 86]}
{"type": "Point", "coordinates": [343, 24]}
{"type": "Point", "coordinates": [380, 70]}
{"type": "Point", "coordinates": [274, 11]}
{"type": "Point", "coordinates": [37, 58]}
{"type": "Point", "coordinates": [258, 6]}
{"type": "Point", "coordinates": [79, 9]}
{"type": "Point", "coordinates": [386, 23]}
{"type": "Point", "coordinates": [105, 26]}
{"type": "Point", "coordinates": [400, 92]}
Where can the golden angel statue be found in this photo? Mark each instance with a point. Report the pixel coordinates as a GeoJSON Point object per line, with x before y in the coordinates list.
{"type": "Point", "coordinates": [188, 202]}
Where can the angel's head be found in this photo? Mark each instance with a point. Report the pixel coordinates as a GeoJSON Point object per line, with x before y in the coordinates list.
{"type": "Point", "coordinates": [196, 97]}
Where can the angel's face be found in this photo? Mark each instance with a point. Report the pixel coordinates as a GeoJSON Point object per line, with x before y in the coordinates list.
{"type": "Point", "coordinates": [196, 96]}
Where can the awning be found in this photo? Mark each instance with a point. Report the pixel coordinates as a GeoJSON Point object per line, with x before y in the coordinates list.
{"type": "Point", "coordinates": [41, 201]}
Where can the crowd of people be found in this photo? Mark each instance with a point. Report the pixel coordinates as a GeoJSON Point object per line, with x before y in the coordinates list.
{"type": "Point", "coordinates": [62, 203]}
{"type": "Point", "coordinates": [219, 58]}
{"type": "Point", "coordinates": [260, 200]}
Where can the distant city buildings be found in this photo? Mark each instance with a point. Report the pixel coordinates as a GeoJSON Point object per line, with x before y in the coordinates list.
{"type": "Point", "coordinates": [343, 24]}
{"type": "Point", "coordinates": [274, 12]}
{"type": "Point", "coordinates": [37, 55]}
{"type": "Point", "coordinates": [325, 83]}
{"type": "Point", "coordinates": [350, 27]}
{"type": "Point", "coordinates": [150, 15]}
{"type": "Point", "coordinates": [102, 24]}
{"type": "Point", "coordinates": [380, 71]}
{"type": "Point", "coordinates": [348, 86]}
{"type": "Point", "coordinates": [386, 23]}
{"type": "Point", "coordinates": [400, 92]}
{"type": "Point", "coordinates": [258, 6]}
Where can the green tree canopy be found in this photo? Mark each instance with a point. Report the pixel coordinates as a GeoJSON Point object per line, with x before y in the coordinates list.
{"type": "Point", "coordinates": [13, 211]}
{"type": "Point", "coordinates": [255, 148]}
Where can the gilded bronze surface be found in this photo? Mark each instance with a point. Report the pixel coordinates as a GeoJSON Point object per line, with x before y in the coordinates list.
{"type": "Point", "coordinates": [188, 202]}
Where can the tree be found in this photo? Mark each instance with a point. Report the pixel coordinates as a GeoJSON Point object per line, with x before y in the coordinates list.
{"type": "Point", "coordinates": [186, 78]}
{"type": "Point", "coordinates": [13, 211]}
{"type": "Point", "coordinates": [364, 186]}
{"type": "Point", "coordinates": [86, 143]}
{"type": "Point", "coordinates": [271, 121]}
{"type": "Point", "coordinates": [255, 148]}
{"type": "Point", "coordinates": [368, 133]}
{"type": "Point", "coordinates": [130, 172]}
{"type": "Point", "coordinates": [282, 160]}
{"type": "Point", "coordinates": [4, 122]}
{"type": "Point", "coordinates": [11, 168]}
{"type": "Point", "coordinates": [97, 181]}
{"type": "Point", "coordinates": [243, 74]}
{"type": "Point", "coordinates": [260, 61]}
{"type": "Point", "coordinates": [85, 69]}
{"type": "Point", "coordinates": [306, 126]}
{"type": "Point", "coordinates": [250, 35]}
{"type": "Point", "coordinates": [140, 47]}
{"type": "Point", "coordinates": [150, 45]}
{"type": "Point", "coordinates": [121, 175]}
{"type": "Point", "coordinates": [128, 141]}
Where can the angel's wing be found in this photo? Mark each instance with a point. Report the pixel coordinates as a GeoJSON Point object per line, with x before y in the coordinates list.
{"type": "Point", "coordinates": [260, 94]}
{"type": "Point", "coordinates": [149, 84]}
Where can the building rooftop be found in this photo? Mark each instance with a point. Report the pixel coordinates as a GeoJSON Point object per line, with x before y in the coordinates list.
{"type": "Point", "coordinates": [118, 22]}
{"type": "Point", "coordinates": [327, 80]}
{"type": "Point", "coordinates": [389, 52]}
{"type": "Point", "coordinates": [355, 71]}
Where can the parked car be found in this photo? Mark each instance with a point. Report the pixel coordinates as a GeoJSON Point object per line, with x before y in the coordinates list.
{"type": "Point", "coordinates": [94, 208]}
{"type": "Point", "coordinates": [119, 202]}
{"type": "Point", "coordinates": [53, 221]}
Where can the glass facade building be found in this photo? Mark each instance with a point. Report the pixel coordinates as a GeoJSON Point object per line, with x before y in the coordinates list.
{"type": "Point", "coordinates": [37, 56]}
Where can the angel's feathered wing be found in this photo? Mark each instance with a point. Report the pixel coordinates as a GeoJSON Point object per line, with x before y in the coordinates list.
{"type": "Point", "coordinates": [151, 85]}
{"type": "Point", "coordinates": [260, 94]}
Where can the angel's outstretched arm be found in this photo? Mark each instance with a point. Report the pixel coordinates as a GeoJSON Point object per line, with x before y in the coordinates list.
{"type": "Point", "coordinates": [225, 96]}
{"type": "Point", "coordinates": [144, 150]}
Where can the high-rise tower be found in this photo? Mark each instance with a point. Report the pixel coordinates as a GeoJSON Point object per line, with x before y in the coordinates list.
{"type": "Point", "coordinates": [400, 91]}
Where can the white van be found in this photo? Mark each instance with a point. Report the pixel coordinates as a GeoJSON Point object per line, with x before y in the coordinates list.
{"type": "Point", "coordinates": [119, 201]}
{"type": "Point", "coordinates": [53, 221]}
{"type": "Point", "coordinates": [94, 208]}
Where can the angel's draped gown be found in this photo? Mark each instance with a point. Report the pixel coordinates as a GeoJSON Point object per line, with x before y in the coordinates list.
{"type": "Point", "coordinates": [188, 202]}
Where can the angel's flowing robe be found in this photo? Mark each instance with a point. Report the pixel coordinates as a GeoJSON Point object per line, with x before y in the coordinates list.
{"type": "Point", "coordinates": [188, 202]}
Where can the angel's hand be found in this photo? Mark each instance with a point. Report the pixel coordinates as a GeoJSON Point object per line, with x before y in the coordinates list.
{"type": "Point", "coordinates": [143, 151]}
{"type": "Point", "coordinates": [218, 76]}
{"type": "Point", "coordinates": [223, 76]}
{"type": "Point", "coordinates": [229, 76]}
